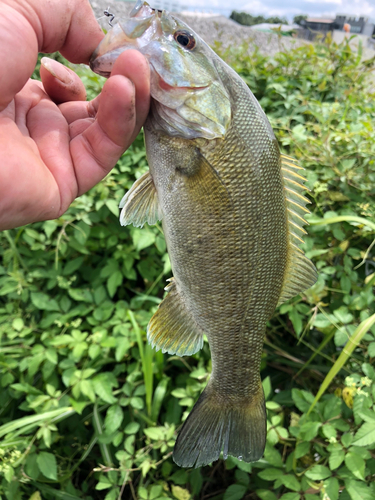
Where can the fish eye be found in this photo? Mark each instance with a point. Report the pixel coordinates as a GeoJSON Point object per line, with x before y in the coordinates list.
{"type": "Point", "coordinates": [185, 39]}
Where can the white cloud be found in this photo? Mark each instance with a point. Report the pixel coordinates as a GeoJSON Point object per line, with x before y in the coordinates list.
{"type": "Point", "coordinates": [290, 8]}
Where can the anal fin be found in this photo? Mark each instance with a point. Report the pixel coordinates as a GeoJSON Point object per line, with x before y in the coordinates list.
{"type": "Point", "coordinates": [140, 204]}
{"type": "Point", "coordinates": [172, 328]}
{"type": "Point", "coordinates": [300, 272]}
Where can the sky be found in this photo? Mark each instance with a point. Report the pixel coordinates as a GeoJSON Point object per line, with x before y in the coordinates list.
{"type": "Point", "coordinates": [288, 8]}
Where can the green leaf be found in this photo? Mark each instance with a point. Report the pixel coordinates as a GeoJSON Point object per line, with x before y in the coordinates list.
{"type": "Point", "coordinates": [44, 302]}
{"type": "Point", "coordinates": [365, 435]}
{"type": "Point", "coordinates": [143, 238]}
{"type": "Point", "coordinates": [267, 387]}
{"type": "Point", "coordinates": [331, 487]}
{"type": "Point", "coordinates": [113, 207]}
{"type": "Point", "coordinates": [273, 456]}
{"type": "Point", "coordinates": [270, 474]}
{"type": "Point", "coordinates": [309, 430]}
{"type": "Point", "coordinates": [154, 433]}
{"type": "Point", "coordinates": [114, 418]}
{"type": "Point", "coordinates": [367, 415]}
{"type": "Point", "coordinates": [47, 464]}
{"type": "Point", "coordinates": [155, 491]}
{"type": "Point", "coordinates": [302, 449]}
{"type": "Point", "coordinates": [343, 315]}
{"type": "Point", "coordinates": [355, 464]}
{"type": "Point", "coordinates": [291, 482]}
{"type": "Point", "coordinates": [18, 324]}
{"type": "Point", "coordinates": [290, 496]}
{"type": "Point", "coordinates": [103, 388]}
{"type": "Point", "coordinates": [302, 399]}
{"type": "Point", "coordinates": [336, 457]}
{"type": "Point", "coordinates": [266, 495]}
{"type": "Point", "coordinates": [318, 472]}
{"type": "Point", "coordinates": [371, 350]}
{"type": "Point", "coordinates": [79, 295]}
{"type": "Point", "coordinates": [137, 403]}
{"type": "Point", "coordinates": [329, 431]}
{"type": "Point", "coordinates": [9, 474]}
{"type": "Point", "coordinates": [347, 439]}
{"type": "Point", "coordinates": [114, 281]}
{"type": "Point", "coordinates": [72, 266]}
{"type": "Point", "coordinates": [358, 490]}
{"type": "Point", "coordinates": [234, 492]}
{"type": "Point", "coordinates": [132, 428]}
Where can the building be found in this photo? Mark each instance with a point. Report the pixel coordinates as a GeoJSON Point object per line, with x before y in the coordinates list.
{"type": "Point", "coordinates": [318, 24]}
{"type": "Point", "coordinates": [358, 25]}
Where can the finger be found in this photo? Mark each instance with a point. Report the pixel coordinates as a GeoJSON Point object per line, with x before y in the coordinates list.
{"type": "Point", "coordinates": [19, 62]}
{"type": "Point", "coordinates": [98, 149]}
{"type": "Point", "coordinates": [73, 111]}
{"type": "Point", "coordinates": [32, 26]}
{"type": "Point", "coordinates": [69, 27]}
{"type": "Point", "coordinates": [60, 82]}
{"type": "Point", "coordinates": [134, 66]}
{"type": "Point", "coordinates": [79, 126]}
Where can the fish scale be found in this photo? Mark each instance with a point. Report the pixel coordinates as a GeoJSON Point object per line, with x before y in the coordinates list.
{"type": "Point", "coordinates": [232, 214]}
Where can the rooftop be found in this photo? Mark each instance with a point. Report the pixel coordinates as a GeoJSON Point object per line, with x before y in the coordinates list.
{"type": "Point", "coordinates": [319, 20]}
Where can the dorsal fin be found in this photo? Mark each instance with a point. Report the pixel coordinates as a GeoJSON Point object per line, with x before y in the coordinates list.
{"type": "Point", "coordinates": [300, 273]}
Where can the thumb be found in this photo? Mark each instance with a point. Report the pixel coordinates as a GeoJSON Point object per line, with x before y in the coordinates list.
{"type": "Point", "coordinates": [60, 82]}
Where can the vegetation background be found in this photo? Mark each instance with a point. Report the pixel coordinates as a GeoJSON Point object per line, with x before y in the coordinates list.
{"type": "Point", "coordinates": [89, 411]}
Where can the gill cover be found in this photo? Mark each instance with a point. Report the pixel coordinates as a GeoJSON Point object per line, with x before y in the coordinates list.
{"type": "Point", "coordinates": [189, 99]}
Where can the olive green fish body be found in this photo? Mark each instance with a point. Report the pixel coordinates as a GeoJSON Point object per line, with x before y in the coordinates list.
{"type": "Point", "coordinates": [225, 225]}
{"type": "Point", "coordinates": [232, 214]}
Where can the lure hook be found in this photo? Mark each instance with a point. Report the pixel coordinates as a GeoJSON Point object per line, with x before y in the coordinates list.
{"type": "Point", "coordinates": [109, 14]}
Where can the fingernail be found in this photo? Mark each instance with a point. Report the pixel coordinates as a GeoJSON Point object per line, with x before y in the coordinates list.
{"type": "Point", "coordinates": [57, 70]}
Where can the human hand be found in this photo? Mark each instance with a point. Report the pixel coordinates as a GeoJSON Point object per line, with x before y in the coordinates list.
{"type": "Point", "coordinates": [50, 153]}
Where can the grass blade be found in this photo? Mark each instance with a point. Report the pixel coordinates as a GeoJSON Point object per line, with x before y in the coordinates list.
{"type": "Point", "coordinates": [98, 426]}
{"type": "Point", "coordinates": [34, 419]}
{"type": "Point", "coordinates": [61, 495]}
{"type": "Point", "coordinates": [341, 218]}
{"type": "Point", "coordinates": [147, 356]}
{"type": "Point", "coordinates": [159, 394]}
{"type": "Point", "coordinates": [347, 351]}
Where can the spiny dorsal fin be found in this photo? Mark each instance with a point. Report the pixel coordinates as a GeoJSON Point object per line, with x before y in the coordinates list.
{"type": "Point", "coordinates": [140, 204]}
{"type": "Point", "coordinates": [300, 272]}
{"type": "Point", "coordinates": [172, 328]}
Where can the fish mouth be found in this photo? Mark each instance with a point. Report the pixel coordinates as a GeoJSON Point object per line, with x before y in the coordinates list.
{"type": "Point", "coordinates": [106, 74]}
{"type": "Point", "coordinates": [163, 85]}
{"type": "Point", "coordinates": [160, 80]}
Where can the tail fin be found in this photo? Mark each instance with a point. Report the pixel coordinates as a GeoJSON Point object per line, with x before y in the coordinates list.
{"type": "Point", "coordinates": [216, 426]}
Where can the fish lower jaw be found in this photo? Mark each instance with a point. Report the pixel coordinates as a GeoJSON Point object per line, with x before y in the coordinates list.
{"type": "Point", "coordinates": [170, 88]}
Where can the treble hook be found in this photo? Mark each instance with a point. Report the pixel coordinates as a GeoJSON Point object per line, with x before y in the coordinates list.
{"type": "Point", "coordinates": [109, 14]}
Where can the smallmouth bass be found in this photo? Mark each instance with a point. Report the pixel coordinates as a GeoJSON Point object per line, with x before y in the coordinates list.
{"type": "Point", "coordinates": [232, 214]}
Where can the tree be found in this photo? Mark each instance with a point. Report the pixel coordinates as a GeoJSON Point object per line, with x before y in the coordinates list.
{"type": "Point", "coordinates": [248, 20]}
{"type": "Point", "coordinates": [298, 19]}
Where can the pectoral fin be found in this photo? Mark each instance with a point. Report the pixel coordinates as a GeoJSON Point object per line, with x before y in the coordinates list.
{"type": "Point", "coordinates": [172, 328]}
{"type": "Point", "coordinates": [300, 272]}
{"type": "Point", "coordinates": [140, 204]}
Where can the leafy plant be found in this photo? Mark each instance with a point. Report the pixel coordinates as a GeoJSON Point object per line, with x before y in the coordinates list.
{"type": "Point", "coordinates": [89, 411]}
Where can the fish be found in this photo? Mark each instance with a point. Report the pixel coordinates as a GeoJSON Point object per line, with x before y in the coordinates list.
{"type": "Point", "coordinates": [232, 211]}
